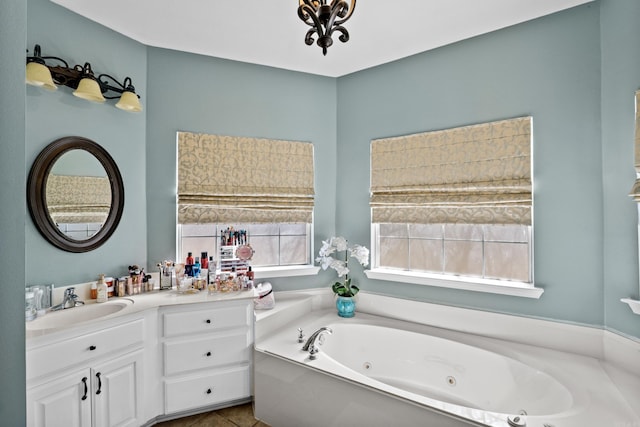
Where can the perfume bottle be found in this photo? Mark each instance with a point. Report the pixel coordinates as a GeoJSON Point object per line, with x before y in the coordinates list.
{"type": "Point", "coordinates": [195, 271]}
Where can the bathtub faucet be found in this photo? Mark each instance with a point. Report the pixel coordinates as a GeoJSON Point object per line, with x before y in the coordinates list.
{"type": "Point", "coordinates": [310, 345]}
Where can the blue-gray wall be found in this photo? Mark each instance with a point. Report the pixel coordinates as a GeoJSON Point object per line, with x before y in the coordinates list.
{"type": "Point", "coordinates": [548, 68]}
{"type": "Point", "coordinates": [575, 72]}
{"type": "Point", "coordinates": [13, 21]}
{"type": "Point", "coordinates": [552, 69]}
{"type": "Point", "coordinates": [620, 79]}
{"type": "Point", "coordinates": [201, 94]}
{"type": "Point", "coordinates": [52, 115]}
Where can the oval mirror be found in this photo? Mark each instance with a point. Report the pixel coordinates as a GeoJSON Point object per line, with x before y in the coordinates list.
{"type": "Point", "coordinates": [75, 194]}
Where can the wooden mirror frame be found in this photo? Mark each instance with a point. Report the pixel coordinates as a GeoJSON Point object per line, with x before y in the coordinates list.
{"type": "Point", "coordinates": [37, 194]}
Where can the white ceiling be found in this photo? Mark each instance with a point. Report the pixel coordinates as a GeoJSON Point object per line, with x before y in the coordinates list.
{"type": "Point", "coordinates": [269, 32]}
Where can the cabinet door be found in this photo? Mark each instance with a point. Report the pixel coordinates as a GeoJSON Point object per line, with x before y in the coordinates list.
{"type": "Point", "coordinates": [117, 387]}
{"type": "Point", "coordinates": [65, 402]}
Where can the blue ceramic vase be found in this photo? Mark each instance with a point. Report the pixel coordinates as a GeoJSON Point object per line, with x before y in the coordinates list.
{"type": "Point", "coordinates": [346, 306]}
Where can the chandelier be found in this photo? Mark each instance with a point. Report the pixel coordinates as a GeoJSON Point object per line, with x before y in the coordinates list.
{"type": "Point", "coordinates": [324, 19]}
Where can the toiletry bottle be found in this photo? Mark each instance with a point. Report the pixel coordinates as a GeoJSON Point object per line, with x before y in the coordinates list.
{"type": "Point", "coordinates": [196, 268]}
{"type": "Point", "coordinates": [204, 260]}
{"type": "Point", "coordinates": [94, 290]}
{"type": "Point", "coordinates": [211, 270]}
{"type": "Point", "coordinates": [188, 265]}
{"type": "Point", "coordinates": [102, 289]}
{"type": "Point", "coordinates": [250, 276]}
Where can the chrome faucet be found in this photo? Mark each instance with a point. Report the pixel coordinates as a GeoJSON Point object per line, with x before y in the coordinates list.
{"type": "Point", "coordinates": [69, 300]}
{"type": "Point", "coordinates": [310, 345]}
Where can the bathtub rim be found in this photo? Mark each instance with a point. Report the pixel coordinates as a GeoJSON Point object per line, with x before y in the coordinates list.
{"type": "Point", "coordinates": [328, 366]}
{"type": "Point", "coordinates": [618, 353]}
{"type": "Point", "coordinates": [611, 347]}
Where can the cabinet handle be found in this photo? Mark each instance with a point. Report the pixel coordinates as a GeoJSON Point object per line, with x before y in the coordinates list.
{"type": "Point", "coordinates": [208, 354]}
{"type": "Point", "coordinates": [209, 391]}
{"type": "Point", "coordinates": [99, 383]}
{"type": "Point", "coordinates": [86, 388]}
{"type": "Point", "coordinates": [92, 347]}
{"type": "Point", "coordinates": [208, 320]}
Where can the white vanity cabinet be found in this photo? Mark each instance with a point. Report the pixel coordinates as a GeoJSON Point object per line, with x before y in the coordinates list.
{"type": "Point", "coordinates": [92, 378]}
{"type": "Point", "coordinates": [206, 354]}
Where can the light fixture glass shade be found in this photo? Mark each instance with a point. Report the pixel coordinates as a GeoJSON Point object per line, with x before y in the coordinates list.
{"type": "Point", "coordinates": [129, 102]}
{"type": "Point", "coordinates": [89, 89]}
{"type": "Point", "coordinates": [39, 75]}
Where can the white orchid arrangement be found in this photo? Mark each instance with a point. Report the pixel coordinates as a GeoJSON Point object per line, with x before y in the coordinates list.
{"type": "Point", "coordinates": [326, 259]}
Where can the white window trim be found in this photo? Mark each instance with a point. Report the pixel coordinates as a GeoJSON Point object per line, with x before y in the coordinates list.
{"type": "Point", "coordinates": [285, 271]}
{"type": "Point", "coordinates": [501, 287]}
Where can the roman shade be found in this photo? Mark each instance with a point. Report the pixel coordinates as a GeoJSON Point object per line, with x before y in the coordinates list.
{"type": "Point", "coordinates": [243, 180]}
{"type": "Point", "coordinates": [78, 199]}
{"type": "Point", "coordinates": [478, 174]}
{"type": "Point", "coordinates": [635, 191]}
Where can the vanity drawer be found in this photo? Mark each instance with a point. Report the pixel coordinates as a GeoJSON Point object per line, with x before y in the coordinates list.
{"type": "Point", "coordinates": [210, 319]}
{"type": "Point", "coordinates": [74, 352]}
{"type": "Point", "coordinates": [207, 352]}
{"type": "Point", "coordinates": [200, 391]}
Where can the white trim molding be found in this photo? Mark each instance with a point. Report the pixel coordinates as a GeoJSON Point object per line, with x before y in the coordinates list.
{"type": "Point", "coordinates": [457, 282]}
{"type": "Point", "coordinates": [285, 271]}
{"type": "Point", "coordinates": [633, 304]}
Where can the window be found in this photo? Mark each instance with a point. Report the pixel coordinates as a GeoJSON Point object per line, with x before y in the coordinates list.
{"type": "Point", "coordinates": [635, 190]}
{"type": "Point", "coordinates": [275, 245]}
{"type": "Point", "coordinates": [500, 252]}
{"type": "Point", "coordinates": [262, 186]}
{"type": "Point", "coordinates": [455, 204]}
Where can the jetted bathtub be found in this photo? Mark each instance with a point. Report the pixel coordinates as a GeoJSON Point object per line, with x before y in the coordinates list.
{"type": "Point", "coordinates": [373, 371]}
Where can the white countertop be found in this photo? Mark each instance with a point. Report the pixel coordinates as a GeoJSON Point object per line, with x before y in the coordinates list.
{"type": "Point", "coordinates": [116, 308]}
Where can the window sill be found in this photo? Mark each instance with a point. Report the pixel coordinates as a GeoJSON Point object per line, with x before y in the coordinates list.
{"type": "Point", "coordinates": [633, 304]}
{"type": "Point", "coordinates": [455, 282]}
{"type": "Point", "coordinates": [286, 271]}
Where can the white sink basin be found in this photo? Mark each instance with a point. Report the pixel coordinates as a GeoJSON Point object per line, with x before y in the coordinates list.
{"type": "Point", "coordinates": [72, 316]}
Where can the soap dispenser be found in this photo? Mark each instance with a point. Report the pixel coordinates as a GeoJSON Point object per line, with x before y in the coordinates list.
{"type": "Point", "coordinates": [102, 289]}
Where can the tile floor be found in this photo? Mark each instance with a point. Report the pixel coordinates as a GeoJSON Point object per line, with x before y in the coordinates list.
{"type": "Point", "coordinates": [236, 416]}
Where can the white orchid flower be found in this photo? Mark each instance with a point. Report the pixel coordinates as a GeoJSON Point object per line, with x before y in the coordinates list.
{"type": "Point", "coordinates": [340, 243]}
{"type": "Point", "coordinates": [326, 249]}
{"type": "Point", "coordinates": [360, 253]}
{"type": "Point", "coordinates": [340, 267]}
{"type": "Point", "coordinates": [325, 261]}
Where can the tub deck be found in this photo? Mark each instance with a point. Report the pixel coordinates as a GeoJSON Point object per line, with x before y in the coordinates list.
{"type": "Point", "coordinates": [283, 369]}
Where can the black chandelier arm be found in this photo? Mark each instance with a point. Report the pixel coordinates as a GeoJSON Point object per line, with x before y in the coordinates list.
{"type": "Point", "coordinates": [307, 13]}
{"type": "Point", "coordinates": [336, 8]}
{"type": "Point", "coordinates": [345, 11]}
{"type": "Point", "coordinates": [313, 4]}
{"type": "Point", "coordinates": [308, 38]}
{"type": "Point", "coordinates": [344, 37]}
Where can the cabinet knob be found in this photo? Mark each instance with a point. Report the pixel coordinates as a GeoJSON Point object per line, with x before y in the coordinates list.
{"type": "Point", "coordinates": [92, 347]}
{"type": "Point", "coordinates": [208, 320]}
{"type": "Point", "coordinates": [209, 391]}
{"type": "Point", "coordinates": [208, 354]}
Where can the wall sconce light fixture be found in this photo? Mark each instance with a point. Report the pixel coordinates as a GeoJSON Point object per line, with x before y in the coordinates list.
{"type": "Point", "coordinates": [324, 19]}
{"type": "Point", "coordinates": [82, 79]}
